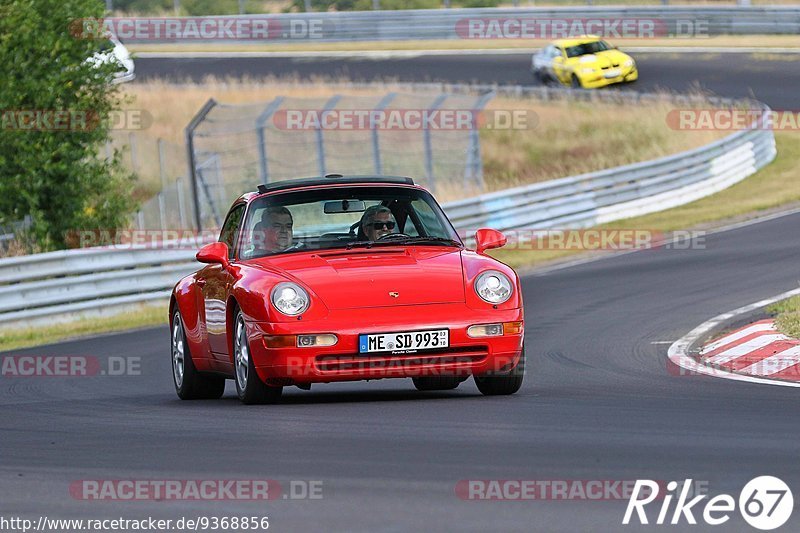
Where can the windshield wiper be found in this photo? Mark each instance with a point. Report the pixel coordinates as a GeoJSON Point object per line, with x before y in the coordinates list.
{"type": "Point", "coordinates": [431, 240]}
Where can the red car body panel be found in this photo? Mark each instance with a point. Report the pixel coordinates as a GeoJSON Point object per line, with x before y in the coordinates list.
{"type": "Point", "coordinates": [349, 295]}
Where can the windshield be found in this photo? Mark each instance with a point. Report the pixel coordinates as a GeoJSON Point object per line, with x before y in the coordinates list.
{"type": "Point", "coordinates": [588, 48]}
{"type": "Point", "coordinates": [343, 217]}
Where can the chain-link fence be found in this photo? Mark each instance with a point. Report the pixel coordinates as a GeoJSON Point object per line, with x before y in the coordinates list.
{"type": "Point", "coordinates": [432, 137]}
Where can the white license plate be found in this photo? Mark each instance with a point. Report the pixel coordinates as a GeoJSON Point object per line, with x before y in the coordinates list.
{"type": "Point", "coordinates": [612, 73]}
{"type": "Point", "coordinates": [406, 341]}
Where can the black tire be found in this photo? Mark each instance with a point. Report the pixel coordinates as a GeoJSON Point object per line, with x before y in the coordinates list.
{"type": "Point", "coordinates": [429, 383]}
{"type": "Point", "coordinates": [249, 387]}
{"type": "Point", "coordinates": [503, 384]}
{"type": "Point", "coordinates": [189, 383]}
{"type": "Point", "coordinates": [576, 83]}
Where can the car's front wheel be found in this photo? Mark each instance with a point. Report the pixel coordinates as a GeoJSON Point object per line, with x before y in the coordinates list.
{"type": "Point", "coordinates": [576, 82]}
{"type": "Point", "coordinates": [249, 387]}
{"type": "Point", "coordinates": [503, 384]}
{"type": "Point", "coordinates": [189, 383]}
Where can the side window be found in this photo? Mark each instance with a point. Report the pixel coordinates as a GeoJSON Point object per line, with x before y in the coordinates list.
{"type": "Point", "coordinates": [230, 230]}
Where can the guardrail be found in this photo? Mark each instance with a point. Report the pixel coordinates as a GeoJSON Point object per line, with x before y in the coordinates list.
{"type": "Point", "coordinates": [442, 24]}
{"type": "Point", "coordinates": [60, 285]}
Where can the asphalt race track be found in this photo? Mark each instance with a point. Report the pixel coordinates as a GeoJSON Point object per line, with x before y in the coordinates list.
{"type": "Point", "coordinates": [598, 403]}
{"type": "Point", "coordinates": [735, 75]}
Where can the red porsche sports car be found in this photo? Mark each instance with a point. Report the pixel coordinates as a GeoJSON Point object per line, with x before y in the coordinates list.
{"type": "Point", "coordinates": [345, 278]}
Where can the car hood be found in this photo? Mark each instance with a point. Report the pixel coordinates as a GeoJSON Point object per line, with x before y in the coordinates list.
{"type": "Point", "coordinates": [605, 59]}
{"type": "Point", "coordinates": [377, 277]}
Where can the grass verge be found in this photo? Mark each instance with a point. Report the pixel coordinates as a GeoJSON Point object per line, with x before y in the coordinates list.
{"type": "Point", "coordinates": [146, 315]}
{"type": "Point", "coordinates": [787, 316]}
{"type": "Point", "coordinates": [771, 187]}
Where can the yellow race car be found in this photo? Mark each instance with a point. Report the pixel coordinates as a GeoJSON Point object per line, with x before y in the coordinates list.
{"type": "Point", "coordinates": [583, 62]}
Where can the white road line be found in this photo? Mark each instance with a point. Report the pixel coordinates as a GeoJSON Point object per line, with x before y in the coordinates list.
{"type": "Point", "coordinates": [740, 350]}
{"type": "Point", "coordinates": [755, 328]}
{"type": "Point", "coordinates": [679, 351]}
{"type": "Point", "coordinates": [775, 363]}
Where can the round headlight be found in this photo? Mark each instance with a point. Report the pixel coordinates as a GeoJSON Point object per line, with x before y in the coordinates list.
{"type": "Point", "coordinates": [289, 298]}
{"type": "Point", "coordinates": [493, 287]}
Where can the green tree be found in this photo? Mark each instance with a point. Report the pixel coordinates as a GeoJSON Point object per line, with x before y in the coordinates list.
{"type": "Point", "coordinates": [51, 172]}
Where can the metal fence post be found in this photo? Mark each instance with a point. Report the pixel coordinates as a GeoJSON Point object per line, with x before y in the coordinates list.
{"type": "Point", "coordinates": [307, 6]}
{"type": "Point", "coordinates": [198, 118]}
{"type": "Point", "coordinates": [426, 134]}
{"type": "Point", "coordinates": [376, 146]}
{"type": "Point", "coordinates": [162, 212]}
{"type": "Point", "coordinates": [473, 171]}
{"type": "Point", "coordinates": [263, 167]}
{"type": "Point", "coordinates": [329, 105]}
{"type": "Point", "coordinates": [181, 206]}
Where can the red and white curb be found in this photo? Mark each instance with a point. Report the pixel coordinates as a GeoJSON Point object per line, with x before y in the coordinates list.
{"type": "Point", "coordinates": [756, 350]}
{"type": "Point", "coordinates": [756, 353]}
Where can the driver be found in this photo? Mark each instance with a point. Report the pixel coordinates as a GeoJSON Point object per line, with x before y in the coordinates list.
{"type": "Point", "coordinates": [377, 221]}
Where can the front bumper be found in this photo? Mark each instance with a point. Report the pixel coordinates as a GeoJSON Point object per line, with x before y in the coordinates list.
{"type": "Point", "coordinates": [342, 362]}
{"type": "Point", "coordinates": [599, 79]}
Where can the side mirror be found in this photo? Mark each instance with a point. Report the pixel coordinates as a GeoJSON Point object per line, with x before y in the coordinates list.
{"type": "Point", "coordinates": [487, 239]}
{"type": "Point", "coordinates": [214, 253]}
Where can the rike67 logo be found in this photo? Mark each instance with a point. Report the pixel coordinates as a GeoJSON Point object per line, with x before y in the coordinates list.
{"type": "Point", "coordinates": [765, 503]}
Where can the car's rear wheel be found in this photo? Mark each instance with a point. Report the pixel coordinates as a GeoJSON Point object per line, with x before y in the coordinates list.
{"type": "Point", "coordinates": [503, 384]}
{"type": "Point", "coordinates": [189, 383]}
{"type": "Point", "coordinates": [437, 382]}
{"type": "Point", "coordinates": [249, 387]}
{"type": "Point", "coordinates": [576, 82]}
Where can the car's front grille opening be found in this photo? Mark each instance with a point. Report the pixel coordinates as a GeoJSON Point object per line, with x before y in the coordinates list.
{"type": "Point", "coordinates": [463, 355]}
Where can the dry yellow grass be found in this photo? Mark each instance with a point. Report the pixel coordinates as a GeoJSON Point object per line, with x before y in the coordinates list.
{"type": "Point", "coordinates": [563, 139]}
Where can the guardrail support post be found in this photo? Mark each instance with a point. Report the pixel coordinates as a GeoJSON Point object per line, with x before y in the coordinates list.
{"type": "Point", "coordinates": [189, 132]}
{"type": "Point", "coordinates": [376, 146]}
{"type": "Point", "coordinates": [426, 132]}
{"type": "Point", "coordinates": [261, 121]}
{"type": "Point", "coordinates": [329, 105]}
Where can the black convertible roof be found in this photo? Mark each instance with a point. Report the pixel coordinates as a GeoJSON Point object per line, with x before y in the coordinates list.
{"type": "Point", "coordinates": [330, 179]}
